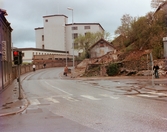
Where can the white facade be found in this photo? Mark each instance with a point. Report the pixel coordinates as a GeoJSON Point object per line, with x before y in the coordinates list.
{"type": "Point", "coordinates": [58, 35]}
{"type": "Point", "coordinates": [28, 53]}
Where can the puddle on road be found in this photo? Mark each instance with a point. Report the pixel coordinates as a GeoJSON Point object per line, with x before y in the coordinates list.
{"type": "Point", "coordinates": [95, 84]}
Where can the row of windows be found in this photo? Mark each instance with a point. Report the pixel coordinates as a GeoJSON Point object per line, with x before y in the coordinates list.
{"type": "Point", "coordinates": [38, 53]}
{"type": "Point", "coordinates": [74, 36]}
{"type": "Point", "coordinates": [76, 28]}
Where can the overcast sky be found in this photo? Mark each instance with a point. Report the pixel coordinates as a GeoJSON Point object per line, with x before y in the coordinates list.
{"type": "Point", "coordinates": [25, 15]}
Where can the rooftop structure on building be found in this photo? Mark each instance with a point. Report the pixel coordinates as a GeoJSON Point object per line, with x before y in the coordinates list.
{"type": "Point", "coordinates": [58, 34]}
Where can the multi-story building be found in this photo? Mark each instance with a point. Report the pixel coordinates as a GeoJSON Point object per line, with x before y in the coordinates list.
{"type": "Point", "coordinates": [57, 34]}
{"type": "Point", "coordinates": [5, 50]}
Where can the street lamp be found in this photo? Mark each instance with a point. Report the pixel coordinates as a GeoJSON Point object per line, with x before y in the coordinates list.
{"type": "Point", "coordinates": [69, 8]}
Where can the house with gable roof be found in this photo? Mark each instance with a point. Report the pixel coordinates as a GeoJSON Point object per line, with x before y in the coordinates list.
{"type": "Point", "coordinates": [101, 48]}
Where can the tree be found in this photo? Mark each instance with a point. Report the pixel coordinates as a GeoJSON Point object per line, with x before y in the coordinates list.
{"type": "Point", "coordinates": [124, 29]}
{"type": "Point", "coordinates": [145, 33]}
{"type": "Point", "coordinates": [155, 3]}
{"type": "Point", "coordinates": [84, 42]}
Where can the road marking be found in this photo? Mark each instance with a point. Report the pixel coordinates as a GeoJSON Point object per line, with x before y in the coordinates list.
{"type": "Point", "coordinates": [112, 97]}
{"type": "Point", "coordinates": [130, 96]}
{"type": "Point", "coordinates": [58, 88]}
{"type": "Point", "coordinates": [156, 93]}
{"type": "Point", "coordinates": [145, 95]}
{"type": "Point", "coordinates": [34, 101]}
{"type": "Point", "coordinates": [90, 97]}
{"type": "Point", "coordinates": [52, 100]}
{"type": "Point", "coordinates": [70, 99]}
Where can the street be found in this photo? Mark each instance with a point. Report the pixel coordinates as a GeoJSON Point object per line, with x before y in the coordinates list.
{"type": "Point", "coordinates": [63, 104]}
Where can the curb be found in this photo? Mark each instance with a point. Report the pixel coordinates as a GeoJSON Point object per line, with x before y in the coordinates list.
{"type": "Point", "coordinates": [19, 111]}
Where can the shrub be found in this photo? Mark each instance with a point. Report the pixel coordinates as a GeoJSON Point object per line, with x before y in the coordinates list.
{"type": "Point", "coordinates": [112, 69]}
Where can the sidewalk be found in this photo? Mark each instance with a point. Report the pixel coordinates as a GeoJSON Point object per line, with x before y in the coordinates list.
{"type": "Point", "coordinates": [10, 104]}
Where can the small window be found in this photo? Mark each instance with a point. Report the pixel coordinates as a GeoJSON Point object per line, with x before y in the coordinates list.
{"type": "Point", "coordinates": [46, 20]}
{"type": "Point", "coordinates": [75, 45]}
{"type": "Point", "coordinates": [101, 45]}
{"type": "Point", "coordinates": [42, 37]}
{"type": "Point", "coordinates": [75, 35]}
{"type": "Point", "coordinates": [43, 46]}
{"type": "Point", "coordinates": [74, 28]}
{"type": "Point", "coordinates": [87, 33]}
{"type": "Point", "coordinates": [87, 27]}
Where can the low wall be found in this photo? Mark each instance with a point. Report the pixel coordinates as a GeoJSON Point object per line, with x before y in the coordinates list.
{"type": "Point", "coordinates": [25, 68]}
{"type": "Point", "coordinates": [28, 67]}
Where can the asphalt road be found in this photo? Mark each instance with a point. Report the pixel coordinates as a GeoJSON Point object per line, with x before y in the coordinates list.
{"type": "Point", "coordinates": [63, 104]}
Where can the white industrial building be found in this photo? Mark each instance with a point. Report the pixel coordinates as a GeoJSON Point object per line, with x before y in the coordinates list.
{"type": "Point", "coordinates": [57, 34]}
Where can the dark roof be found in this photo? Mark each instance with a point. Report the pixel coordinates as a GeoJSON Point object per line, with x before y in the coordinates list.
{"type": "Point", "coordinates": [38, 49]}
{"type": "Point", "coordinates": [2, 15]}
{"type": "Point", "coordinates": [101, 40]}
{"type": "Point", "coordinates": [3, 12]}
{"type": "Point", "coordinates": [54, 16]}
{"type": "Point", "coordinates": [84, 24]}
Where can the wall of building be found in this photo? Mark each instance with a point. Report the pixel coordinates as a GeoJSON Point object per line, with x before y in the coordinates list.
{"type": "Point", "coordinates": [54, 32]}
{"type": "Point", "coordinates": [6, 60]}
{"type": "Point", "coordinates": [80, 30]}
{"type": "Point", "coordinates": [39, 32]}
{"type": "Point", "coordinates": [58, 34]}
{"type": "Point", "coordinates": [98, 50]}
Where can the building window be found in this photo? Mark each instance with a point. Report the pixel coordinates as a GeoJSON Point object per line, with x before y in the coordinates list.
{"type": "Point", "coordinates": [75, 45]}
{"type": "Point", "coordinates": [87, 27]}
{"type": "Point", "coordinates": [102, 43]}
{"type": "Point", "coordinates": [46, 20]}
{"type": "Point", "coordinates": [74, 28]}
{"type": "Point", "coordinates": [42, 37]}
{"type": "Point", "coordinates": [87, 33]}
{"type": "Point", "coordinates": [74, 35]}
{"type": "Point", "coordinates": [43, 46]}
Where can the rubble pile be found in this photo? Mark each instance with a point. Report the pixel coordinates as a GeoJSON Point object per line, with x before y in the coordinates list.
{"type": "Point", "coordinates": [135, 63]}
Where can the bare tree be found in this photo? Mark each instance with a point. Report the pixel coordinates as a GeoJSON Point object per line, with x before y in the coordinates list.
{"type": "Point", "coordinates": [124, 29]}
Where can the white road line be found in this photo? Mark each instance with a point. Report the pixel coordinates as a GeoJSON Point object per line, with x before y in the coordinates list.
{"type": "Point", "coordinates": [58, 88]}
{"type": "Point", "coordinates": [52, 100]}
{"type": "Point", "coordinates": [90, 97]}
{"type": "Point", "coordinates": [108, 96]}
{"type": "Point", "coordinates": [34, 102]}
{"type": "Point", "coordinates": [145, 95]}
{"type": "Point", "coordinates": [130, 96]}
{"type": "Point", "coordinates": [156, 93]}
{"type": "Point", "coordinates": [70, 99]}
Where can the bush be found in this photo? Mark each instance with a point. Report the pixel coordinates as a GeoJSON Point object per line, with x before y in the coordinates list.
{"type": "Point", "coordinates": [112, 69]}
